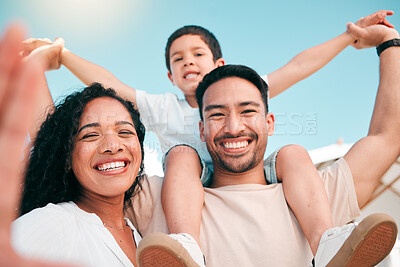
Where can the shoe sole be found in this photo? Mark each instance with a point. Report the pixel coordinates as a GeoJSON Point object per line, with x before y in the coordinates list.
{"type": "Point", "coordinates": [369, 243]}
{"type": "Point", "coordinates": [160, 250]}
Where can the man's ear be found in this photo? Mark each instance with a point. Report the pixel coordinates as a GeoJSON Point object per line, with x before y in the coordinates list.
{"type": "Point", "coordinates": [220, 62]}
{"type": "Point", "coordinates": [270, 120]}
{"type": "Point", "coordinates": [201, 129]}
{"type": "Point", "coordinates": [171, 78]}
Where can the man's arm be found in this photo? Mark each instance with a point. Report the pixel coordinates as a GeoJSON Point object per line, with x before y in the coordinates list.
{"type": "Point", "coordinates": [370, 157]}
{"type": "Point", "coordinates": [311, 60]}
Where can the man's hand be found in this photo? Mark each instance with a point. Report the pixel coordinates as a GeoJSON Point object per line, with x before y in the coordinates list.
{"type": "Point", "coordinates": [18, 86]}
{"type": "Point", "coordinates": [45, 50]}
{"type": "Point", "coordinates": [371, 36]}
{"type": "Point", "coordinates": [377, 18]}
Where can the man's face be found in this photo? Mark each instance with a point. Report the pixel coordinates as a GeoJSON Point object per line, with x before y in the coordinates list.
{"type": "Point", "coordinates": [190, 60]}
{"type": "Point", "coordinates": [236, 126]}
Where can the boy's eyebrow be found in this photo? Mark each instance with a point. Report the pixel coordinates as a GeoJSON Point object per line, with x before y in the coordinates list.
{"type": "Point", "coordinates": [193, 48]}
{"type": "Point", "coordinates": [96, 124]}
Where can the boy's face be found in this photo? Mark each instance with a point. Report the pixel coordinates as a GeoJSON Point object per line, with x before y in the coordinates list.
{"type": "Point", "coordinates": [190, 60]}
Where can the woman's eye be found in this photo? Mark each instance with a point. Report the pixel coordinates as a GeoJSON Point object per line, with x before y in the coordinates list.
{"type": "Point", "coordinates": [126, 132]}
{"type": "Point", "coordinates": [90, 136]}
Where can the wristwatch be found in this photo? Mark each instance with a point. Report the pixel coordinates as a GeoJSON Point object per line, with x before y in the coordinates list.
{"type": "Point", "coordinates": [394, 42]}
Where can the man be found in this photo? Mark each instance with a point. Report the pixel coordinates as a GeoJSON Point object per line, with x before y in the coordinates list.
{"type": "Point", "coordinates": [248, 223]}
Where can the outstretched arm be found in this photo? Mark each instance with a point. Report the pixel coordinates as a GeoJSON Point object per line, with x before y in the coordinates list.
{"type": "Point", "coordinates": [19, 83]}
{"type": "Point", "coordinates": [370, 157]}
{"type": "Point", "coordinates": [89, 72]}
{"type": "Point", "coordinates": [314, 58]}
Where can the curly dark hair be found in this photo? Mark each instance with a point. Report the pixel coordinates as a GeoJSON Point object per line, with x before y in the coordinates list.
{"type": "Point", "coordinates": [49, 177]}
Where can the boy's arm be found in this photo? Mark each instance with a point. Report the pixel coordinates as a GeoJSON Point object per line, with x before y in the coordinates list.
{"type": "Point", "coordinates": [370, 157]}
{"type": "Point", "coordinates": [89, 72]}
{"type": "Point", "coordinates": [313, 59]}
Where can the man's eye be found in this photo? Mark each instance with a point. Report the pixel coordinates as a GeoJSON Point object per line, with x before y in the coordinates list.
{"type": "Point", "coordinates": [215, 115]}
{"type": "Point", "coordinates": [248, 111]}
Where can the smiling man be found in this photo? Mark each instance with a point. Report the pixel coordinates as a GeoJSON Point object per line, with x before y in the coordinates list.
{"type": "Point", "coordinates": [246, 222]}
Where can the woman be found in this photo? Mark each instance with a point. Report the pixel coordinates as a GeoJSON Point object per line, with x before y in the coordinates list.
{"type": "Point", "coordinates": [86, 163]}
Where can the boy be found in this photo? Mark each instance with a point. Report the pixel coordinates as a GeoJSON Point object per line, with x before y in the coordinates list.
{"type": "Point", "coordinates": [191, 53]}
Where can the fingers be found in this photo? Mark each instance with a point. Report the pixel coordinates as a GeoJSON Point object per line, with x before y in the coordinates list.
{"type": "Point", "coordinates": [378, 17]}
{"type": "Point", "coordinates": [31, 44]}
{"type": "Point", "coordinates": [9, 47]}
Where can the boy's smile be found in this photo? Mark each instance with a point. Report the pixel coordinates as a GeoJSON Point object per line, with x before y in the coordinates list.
{"type": "Point", "coordinates": [190, 59]}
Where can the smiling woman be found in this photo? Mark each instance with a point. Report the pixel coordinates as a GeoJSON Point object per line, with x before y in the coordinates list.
{"type": "Point", "coordinates": [86, 163]}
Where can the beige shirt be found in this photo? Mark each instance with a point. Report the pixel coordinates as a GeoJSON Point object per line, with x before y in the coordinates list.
{"type": "Point", "coordinates": [250, 224]}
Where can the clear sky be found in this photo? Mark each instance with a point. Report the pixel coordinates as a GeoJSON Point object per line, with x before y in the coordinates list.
{"type": "Point", "coordinates": [128, 38]}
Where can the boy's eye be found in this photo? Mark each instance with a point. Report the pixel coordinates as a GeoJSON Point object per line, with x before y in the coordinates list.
{"type": "Point", "coordinates": [199, 54]}
{"type": "Point", "coordinates": [177, 59]}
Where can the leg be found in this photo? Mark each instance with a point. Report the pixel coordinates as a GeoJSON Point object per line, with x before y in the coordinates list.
{"type": "Point", "coordinates": [182, 193]}
{"type": "Point", "coordinates": [304, 192]}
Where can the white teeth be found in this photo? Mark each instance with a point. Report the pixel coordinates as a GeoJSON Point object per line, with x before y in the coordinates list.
{"type": "Point", "coordinates": [191, 75]}
{"type": "Point", "coordinates": [111, 166]}
{"type": "Point", "coordinates": [236, 145]}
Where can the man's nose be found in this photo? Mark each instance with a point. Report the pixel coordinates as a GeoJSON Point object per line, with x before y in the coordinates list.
{"type": "Point", "coordinates": [234, 124]}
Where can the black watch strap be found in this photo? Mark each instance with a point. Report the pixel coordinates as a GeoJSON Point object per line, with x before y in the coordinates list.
{"type": "Point", "coordinates": [380, 48]}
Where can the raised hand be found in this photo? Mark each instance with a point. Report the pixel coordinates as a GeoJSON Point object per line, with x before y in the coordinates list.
{"type": "Point", "coordinates": [19, 83]}
{"type": "Point", "coordinates": [45, 50]}
{"type": "Point", "coordinates": [377, 18]}
{"type": "Point", "coordinates": [371, 36]}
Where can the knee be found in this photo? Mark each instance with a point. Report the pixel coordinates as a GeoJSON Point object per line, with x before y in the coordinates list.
{"type": "Point", "coordinates": [294, 154]}
{"type": "Point", "coordinates": [182, 155]}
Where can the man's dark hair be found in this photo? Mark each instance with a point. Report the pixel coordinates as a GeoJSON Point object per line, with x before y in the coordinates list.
{"type": "Point", "coordinates": [49, 177]}
{"type": "Point", "coordinates": [204, 34]}
{"type": "Point", "coordinates": [226, 71]}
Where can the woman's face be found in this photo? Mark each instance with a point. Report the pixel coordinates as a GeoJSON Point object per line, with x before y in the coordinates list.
{"type": "Point", "coordinates": [107, 154]}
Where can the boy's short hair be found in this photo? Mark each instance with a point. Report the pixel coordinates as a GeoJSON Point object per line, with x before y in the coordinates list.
{"type": "Point", "coordinates": [226, 71]}
{"type": "Point", "coordinates": [208, 38]}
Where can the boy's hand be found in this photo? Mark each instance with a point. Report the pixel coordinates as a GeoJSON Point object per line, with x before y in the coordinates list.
{"type": "Point", "coordinates": [44, 49]}
{"type": "Point", "coordinates": [19, 83]}
{"type": "Point", "coordinates": [371, 36]}
{"type": "Point", "coordinates": [377, 18]}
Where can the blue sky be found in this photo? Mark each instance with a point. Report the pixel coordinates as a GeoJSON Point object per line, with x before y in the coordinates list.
{"type": "Point", "coordinates": [128, 38]}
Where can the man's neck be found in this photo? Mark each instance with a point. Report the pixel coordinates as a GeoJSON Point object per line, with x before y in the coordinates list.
{"type": "Point", "coordinates": [224, 178]}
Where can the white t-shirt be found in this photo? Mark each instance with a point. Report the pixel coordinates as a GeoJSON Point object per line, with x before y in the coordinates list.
{"type": "Point", "coordinates": [65, 233]}
{"type": "Point", "coordinates": [250, 224]}
{"type": "Point", "coordinates": [173, 120]}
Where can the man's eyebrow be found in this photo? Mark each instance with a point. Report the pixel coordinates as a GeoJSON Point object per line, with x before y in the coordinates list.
{"type": "Point", "coordinates": [209, 107]}
{"type": "Point", "coordinates": [249, 103]}
{"type": "Point", "coordinates": [94, 124]}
